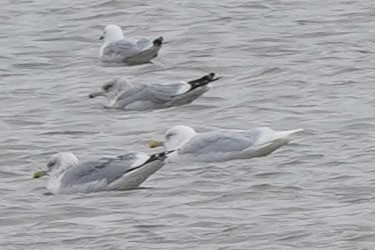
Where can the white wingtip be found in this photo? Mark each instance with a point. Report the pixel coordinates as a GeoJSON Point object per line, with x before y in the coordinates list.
{"type": "Point", "coordinates": [295, 130]}
{"type": "Point", "coordinates": [287, 133]}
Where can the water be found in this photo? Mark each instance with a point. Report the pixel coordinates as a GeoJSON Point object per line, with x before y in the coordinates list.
{"type": "Point", "coordinates": [285, 64]}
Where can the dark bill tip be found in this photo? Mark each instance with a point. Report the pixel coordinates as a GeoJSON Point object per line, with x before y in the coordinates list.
{"type": "Point", "coordinates": [94, 94]}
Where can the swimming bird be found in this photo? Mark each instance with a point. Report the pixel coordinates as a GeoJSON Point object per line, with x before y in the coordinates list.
{"type": "Point", "coordinates": [116, 49]}
{"type": "Point", "coordinates": [184, 144]}
{"type": "Point", "coordinates": [124, 172]}
{"type": "Point", "coordinates": [124, 95]}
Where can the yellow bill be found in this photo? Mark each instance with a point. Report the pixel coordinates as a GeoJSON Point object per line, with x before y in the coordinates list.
{"type": "Point", "coordinates": [39, 174]}
{"type": "Point", "coordinates": [155, 144]}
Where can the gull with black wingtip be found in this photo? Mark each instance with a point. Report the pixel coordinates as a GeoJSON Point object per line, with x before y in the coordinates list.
{"type": "Point", "coordinates": [137, 51]}
{"type": "Point", "coordinates": [144, 96]}
{"type": "Point", "coordinates": [124, 172]}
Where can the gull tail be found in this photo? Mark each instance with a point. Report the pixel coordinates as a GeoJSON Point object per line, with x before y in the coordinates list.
{"type": "Point", "coordinates": [158, 42]}
{"type": "Point", "coordinates": [203, 81]}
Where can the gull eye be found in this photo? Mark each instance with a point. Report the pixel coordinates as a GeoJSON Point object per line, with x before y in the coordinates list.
{"type": "Point", "coordinates": [169, 135]}
{"type": "Point", "coordinates": [108, 86]}
{"type": "Point", "coordinates": [51, 164]}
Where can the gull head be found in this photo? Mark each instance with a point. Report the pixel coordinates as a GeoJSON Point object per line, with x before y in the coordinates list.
{"type": "Point", "coordinates": [175, 137]}
{"type": "Point", "coordinates": [112, 88]}
{"type": "Point", "coordinates": [112, 33]}
{"type": "Point", "coordinates": [57, 164]}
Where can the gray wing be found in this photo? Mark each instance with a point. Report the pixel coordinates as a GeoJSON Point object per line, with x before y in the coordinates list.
{"type": "Point", "coordinates": [109, 169]}
{"type": "Point", "coordinates": [135, 98]}
{"type": "Point", "coordinates": [217, 143]}
{"type": "Point", "coordinates": [145, 43]}
{"type": "Point", "coordinates": [166, 92]}
{"type": "Point", "coordinates": [147, 96]}
{"type": "Point", "coordinates": [126, 49]}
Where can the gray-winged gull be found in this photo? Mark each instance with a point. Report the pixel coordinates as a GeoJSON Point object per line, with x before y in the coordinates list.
{"type": "Point", "coordinates": [143, 96]}
{"type": "Point", "coordinates": [124, 172]}
{"type": "Point", "coordinates": [116, 49]}
{"type": "Point", "coordinates": [184, 144]}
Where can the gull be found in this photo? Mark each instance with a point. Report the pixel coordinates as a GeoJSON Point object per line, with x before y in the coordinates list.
{"type": "Point", "coordinates": [68, 175]}
{"type": "Point", "coordinates": [116, 49]}
{"type": "Point", "coordinates": [184, 144]}
{"type": "Point", "coordinates": [144, 96]}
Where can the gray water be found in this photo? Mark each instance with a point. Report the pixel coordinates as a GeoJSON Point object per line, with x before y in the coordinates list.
{"type": "Point", "coordinates": [285, 64]}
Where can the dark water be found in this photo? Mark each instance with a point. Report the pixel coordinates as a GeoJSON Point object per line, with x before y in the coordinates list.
{"type": "Point", "coordinates": [285, 64]}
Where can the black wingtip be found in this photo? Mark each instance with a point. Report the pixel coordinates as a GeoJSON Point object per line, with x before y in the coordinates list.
{"type": "Point", "coordinates": [211, 77]}
{"type": "Point", "coordinates": [203, 81]}
{"type": "Point", "coordinates": [158, 42]}
{"type": "Point", "coordinates": [159, 156]}
{"type": "Point", "coordinates": [155, 157]}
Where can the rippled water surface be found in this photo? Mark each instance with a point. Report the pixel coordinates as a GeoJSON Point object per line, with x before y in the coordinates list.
{"type": "Point", "coordinates": [285, 64]}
